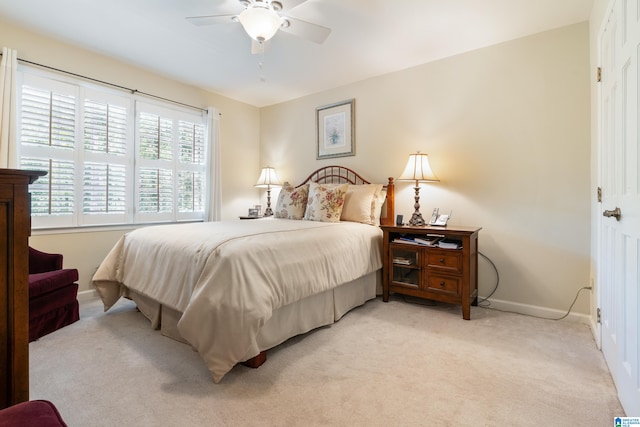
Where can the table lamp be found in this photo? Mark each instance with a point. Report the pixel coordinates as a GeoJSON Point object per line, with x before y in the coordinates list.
{"type": "Point", "coordinates": [418, 170]}
{"type": "Point", "coordinates": [268, 179]}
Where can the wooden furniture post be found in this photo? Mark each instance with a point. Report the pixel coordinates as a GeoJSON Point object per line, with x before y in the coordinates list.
{"type": "Point", "coordinates": [15, 228]}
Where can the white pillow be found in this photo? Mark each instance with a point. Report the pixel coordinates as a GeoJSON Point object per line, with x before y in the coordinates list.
{"type": "Point", "coordinates": [325, 202]}
{"type": "Point", "coordinates": [378, 203]}
{"type": "Point", "coordinates": [360, 203]}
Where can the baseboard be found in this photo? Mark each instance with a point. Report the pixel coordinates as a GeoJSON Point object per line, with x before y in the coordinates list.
{"type": "Point", "coordinates": [84, 296]}
{"type": "Point", "coordinates": [595, 330]}
{"type": "Point", "coordinates": [537, 311]}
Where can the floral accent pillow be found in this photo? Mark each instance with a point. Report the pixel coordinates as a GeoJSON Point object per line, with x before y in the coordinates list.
{"type": "Point", "coordinates": [292, 202]}
{"type": "Point", "coordinates": [325, 202]}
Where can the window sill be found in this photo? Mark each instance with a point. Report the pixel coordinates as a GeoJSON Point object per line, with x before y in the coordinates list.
{"type": "Point", "coordinates": [100, 228]}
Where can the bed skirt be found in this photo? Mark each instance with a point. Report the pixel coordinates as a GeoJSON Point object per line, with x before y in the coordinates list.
{"type": "Point", "coordinates": [286, 322]}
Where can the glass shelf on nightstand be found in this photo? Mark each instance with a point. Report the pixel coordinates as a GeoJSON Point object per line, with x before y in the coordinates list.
{"type": "Point", "coordinates": [406, 266]}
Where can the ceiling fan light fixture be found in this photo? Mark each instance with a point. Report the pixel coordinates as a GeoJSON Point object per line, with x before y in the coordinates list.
{"type": "Point", "coordinates": [260, 22]}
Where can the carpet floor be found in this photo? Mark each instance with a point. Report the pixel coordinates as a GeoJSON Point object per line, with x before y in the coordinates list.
{"type": "Point", "coordinates": [397, 363]}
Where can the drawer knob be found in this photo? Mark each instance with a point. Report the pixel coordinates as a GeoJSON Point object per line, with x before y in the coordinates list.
{"type": "Point", "coordinates": [441, 260]}
{"type": "Point", "coordinates": [441, 283]}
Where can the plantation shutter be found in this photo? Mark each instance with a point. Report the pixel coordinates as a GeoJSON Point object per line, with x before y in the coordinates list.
{"type": "Point", "coordinates": [192, 176]}
{"type": "Point", "coordinates": [111, 157]}
{"type": "Point", "coordinates": [107, 168]}
{"type": "Point", "coordinates": [155, 183]}
{"type": "Point", "coordinates": [171, 153]}
{"type": "Point", "coordinates": [47, 135]}
{"type": "Point", "coordinates": [48, 117]}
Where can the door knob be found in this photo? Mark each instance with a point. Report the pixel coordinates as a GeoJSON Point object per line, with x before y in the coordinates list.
{"type": "Point", "coordinates": [616, 213]}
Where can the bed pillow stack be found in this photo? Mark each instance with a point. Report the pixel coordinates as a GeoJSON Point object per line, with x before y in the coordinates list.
{"type": "Point", "coordinates": [331, 202]}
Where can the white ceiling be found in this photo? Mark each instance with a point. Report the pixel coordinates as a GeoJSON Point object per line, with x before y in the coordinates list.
{"type": "Point", "coordinates": [368, 38]}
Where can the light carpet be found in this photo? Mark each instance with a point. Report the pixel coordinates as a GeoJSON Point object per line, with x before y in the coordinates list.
{"type": "Point", "coordinates": [383, 364]}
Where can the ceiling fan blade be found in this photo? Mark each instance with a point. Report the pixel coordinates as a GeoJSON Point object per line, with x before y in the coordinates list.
{"type": "Point", "coordinates": [257, 48]}
{"type": "Point", "coordinates": [306, 30]}
{"type": "Point", "coordinates": [211, 19]}
{"type": "Point", "coordinates": [290, 4]}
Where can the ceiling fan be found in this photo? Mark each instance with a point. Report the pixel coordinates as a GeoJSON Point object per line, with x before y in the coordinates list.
{"type": "Point", "coordinates": [262, 19]}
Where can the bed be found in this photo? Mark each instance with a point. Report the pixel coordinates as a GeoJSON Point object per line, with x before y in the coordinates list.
{"type": "Point", "coordinates": [234, 289]}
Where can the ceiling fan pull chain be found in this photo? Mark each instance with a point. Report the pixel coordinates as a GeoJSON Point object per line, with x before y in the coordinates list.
{"type": "Point", "coordinates": [261, 63]}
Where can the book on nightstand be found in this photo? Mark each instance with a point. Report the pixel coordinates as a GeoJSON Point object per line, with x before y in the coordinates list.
{"type": "Point", "coordinates": [403, 261]}
{"type": "Point", "coordinates": [428, 240]}
{"type": "Point", "coordinates": [449, 244]}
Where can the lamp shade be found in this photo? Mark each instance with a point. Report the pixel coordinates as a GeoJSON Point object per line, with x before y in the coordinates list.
{"type": "Point", "coordinates": [418, 169]}
{"type": "Point", "coordinates": [268, 178]}
{"type": "Point", "coordinates": [260, 22]}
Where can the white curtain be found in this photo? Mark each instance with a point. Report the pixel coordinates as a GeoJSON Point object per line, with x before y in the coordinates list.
{"type": "Point", "coordinates": [8, 68]}
{"type": "Point", "coordinates": [214, 202]}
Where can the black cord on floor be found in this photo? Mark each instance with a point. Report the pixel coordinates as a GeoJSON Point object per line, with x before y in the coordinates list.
{"type": "Point", "coordinates": [487, 303]}
{"type": "Point", "coordinates": [546, 318]}
{"type": "Point", "coordinates": [481, 300]}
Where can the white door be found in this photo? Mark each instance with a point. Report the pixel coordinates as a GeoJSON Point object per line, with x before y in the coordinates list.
{"type": "Point", "coordinates": [619, 238]}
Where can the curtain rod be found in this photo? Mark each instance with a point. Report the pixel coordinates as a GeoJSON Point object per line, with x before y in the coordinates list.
{"type": "Point", "coordinates": [133, 91]}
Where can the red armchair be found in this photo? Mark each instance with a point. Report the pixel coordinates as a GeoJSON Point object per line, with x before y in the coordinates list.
{"type": "Point", "coordinates": [53, 294]}
{"type": "Point", "coordinates": [41, 413]}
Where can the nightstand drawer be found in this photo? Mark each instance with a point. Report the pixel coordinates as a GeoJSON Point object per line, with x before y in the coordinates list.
{"type": "Point", "coordinates": [443, 284]}
{"type": "Point", "coordinates": [450, 261]}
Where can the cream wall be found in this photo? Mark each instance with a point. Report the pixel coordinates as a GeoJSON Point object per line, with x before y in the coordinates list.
{"type": "Point", "coordinates": [507, 130]}
{"type": "Point", "coordinates": [239, 135]}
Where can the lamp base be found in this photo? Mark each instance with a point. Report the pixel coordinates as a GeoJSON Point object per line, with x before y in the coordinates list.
{"type": "Point", "coordinates": [417, 220]}
{"type": "Point", "coordinates": [268, 211]}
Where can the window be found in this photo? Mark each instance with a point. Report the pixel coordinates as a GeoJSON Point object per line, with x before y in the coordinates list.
{"type": "Point", "coordinates": [111, 157]}
{"type": "Point", "coordinates": [166, 139]}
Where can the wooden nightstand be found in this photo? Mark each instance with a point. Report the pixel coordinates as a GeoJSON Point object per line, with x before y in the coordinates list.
{"type": "Point", "coordinates": [431, 272]}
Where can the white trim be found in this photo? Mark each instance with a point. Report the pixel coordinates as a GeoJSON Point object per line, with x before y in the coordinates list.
{"type": "Point", "coordinates": [8, 77]}
{"type": "Point", "coordinates": [98, 228]}
{"type": "Point", "coordinates": [86, 296]}
{"type": "Point", "coordinates": [538, 311]}
{"type": "Point", "coordinates": [213, 207]}
{"type": "Point", "coordinates": [595, 330]}
{"type": "Point", "coordinates": [597, 269]}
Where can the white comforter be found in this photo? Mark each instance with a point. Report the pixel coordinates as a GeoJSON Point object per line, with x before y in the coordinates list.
{"type": "Point", "coordinates": [228, 277]}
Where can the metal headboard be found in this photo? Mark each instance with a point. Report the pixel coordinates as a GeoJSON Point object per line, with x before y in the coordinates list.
{"type": "Point", "coordinates": [335, 175]}
{"type": "Point", "coordinates": [343, 175]}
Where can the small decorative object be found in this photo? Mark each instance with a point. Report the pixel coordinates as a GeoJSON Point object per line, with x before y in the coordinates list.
{"type": "Point", "coordinates": [335, 125]}
{"type": "Point", "coordinates": [259, 209]}
{"type": "Point", "coordinates": [253, 212]}
{"type": "Point", "coordinates": [418, 170]}
{"type": "Point", "coordinates": [268, 179]}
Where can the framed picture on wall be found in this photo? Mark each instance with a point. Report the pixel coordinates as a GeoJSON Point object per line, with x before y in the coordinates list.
{"type": "Point", "coordinates": [335, 126]}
